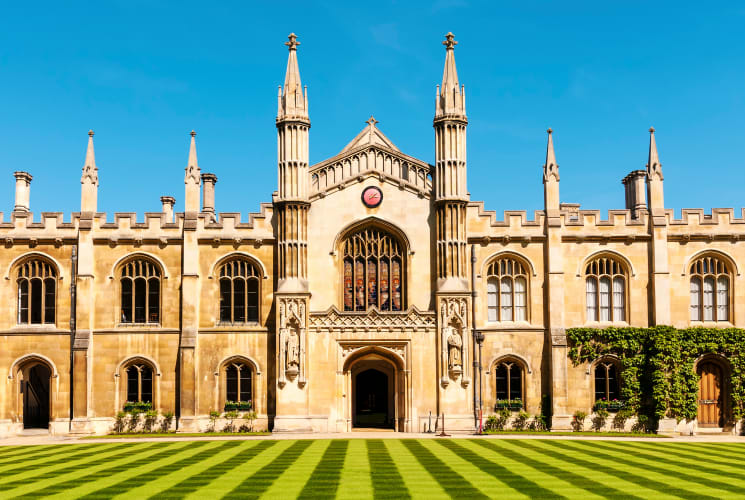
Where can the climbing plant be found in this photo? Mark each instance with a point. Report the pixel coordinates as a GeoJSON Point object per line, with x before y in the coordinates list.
{"type": "Point", "coordinates": [657, 365]}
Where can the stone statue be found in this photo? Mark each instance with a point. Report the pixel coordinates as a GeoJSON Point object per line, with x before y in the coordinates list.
{"type": "Point", "coordinates": [454, 349]}
{"type": "Point", "coordinates": [293, 350]}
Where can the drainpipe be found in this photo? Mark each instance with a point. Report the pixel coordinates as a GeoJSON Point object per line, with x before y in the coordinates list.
{"type": "Point", "coordinates": [73, 315]}
{"type": "Point", "coordinates": [476, 363]}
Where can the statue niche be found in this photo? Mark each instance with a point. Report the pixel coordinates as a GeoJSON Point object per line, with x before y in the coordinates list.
{"type": "Point", "coordinates": [453, 319]}
{"type": "Point", "coordinates": [292, 327]}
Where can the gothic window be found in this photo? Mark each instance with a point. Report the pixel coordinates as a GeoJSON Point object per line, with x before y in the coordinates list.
{"type": "Point", "coordinates": [509, 381]}
{"type": "Point", "coordinates": [373, 271]}
{"type": "Point", "coordinates": [710, 289]}
{"type": "Point", "coordinates": [605, 290]}
{"type": "Point", "coordinates": [507, 290]}
{"type": "Point", "coordinates": [238, 382]}
{"type": "Point", "coordinates": [607, 385]}
{"type": "Point", "coordinates": [140, 383]}
{"type": "Point", "coordinates": [140, 285]}
{"type": "Point", "coordinates": [239, 292]}
{"type": "Point", "coordinates": [37, 285]}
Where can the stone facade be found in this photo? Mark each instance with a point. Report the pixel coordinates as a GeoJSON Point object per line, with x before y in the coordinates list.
{"type": "Point", "coordinates": [435, 272]}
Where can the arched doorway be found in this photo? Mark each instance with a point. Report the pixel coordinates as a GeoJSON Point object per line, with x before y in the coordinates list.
{"type": "Point", "coordinates": [372, 406]}
{"type": "Point", "coordinates": [711, 394]}
{"type": "Point", "coordinates": [36, 396]}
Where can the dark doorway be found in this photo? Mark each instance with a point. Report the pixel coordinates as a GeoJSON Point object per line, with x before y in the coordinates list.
{"type": "Point", "coordinates": [35, 389]}
{"type": "Point", "coordinates": [371, 400]}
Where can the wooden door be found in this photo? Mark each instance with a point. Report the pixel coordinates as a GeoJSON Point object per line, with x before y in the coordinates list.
{"type": "Point", "coordinates": [710, 395]}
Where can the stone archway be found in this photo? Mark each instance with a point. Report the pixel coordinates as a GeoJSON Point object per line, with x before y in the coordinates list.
{"type": "Point", "coordinates": [36, 396]}
{"type": "Point", "coordinates": [375, 390]}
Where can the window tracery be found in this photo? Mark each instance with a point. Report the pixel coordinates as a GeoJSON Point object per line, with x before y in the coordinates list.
{"type": "Point", "coordinates": [607, 383]}
{"type": "Point", "coordinates": [139, 383]}
{"type": "Point", "coordinates": [710, 289]}
{"type": "Point", "coordinates": [37, 286]}
{"type": "Point", "coordinates": [140, 291]}
{"type": "Point", "coordinates": [239, 291]}
{"type": "Point", "coordinates": [507, 290]}
{"type": "Point", "coordinates": [373, 271]}
{"type": "Point", "coordinates": [509, 381]}
{"type": "Point", "coordinates": [605, 288]}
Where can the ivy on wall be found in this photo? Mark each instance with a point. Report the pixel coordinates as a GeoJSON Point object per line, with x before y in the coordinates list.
{"type": "Point", "coordinates": [657, 365]}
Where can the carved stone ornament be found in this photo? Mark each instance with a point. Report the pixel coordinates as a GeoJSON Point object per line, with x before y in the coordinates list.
{"type": "Point", "coordinates": [454, 340]}
{"type": "Point", "coordinates": [291, 341]}
{"type": "Point", "coordinates": [373, 320]}
{"type": "Point", "coordinates": [398, 349]}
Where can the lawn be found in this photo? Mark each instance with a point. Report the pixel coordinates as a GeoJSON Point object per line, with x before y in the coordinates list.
{"type": "Point", "coordinates": [375, 468]}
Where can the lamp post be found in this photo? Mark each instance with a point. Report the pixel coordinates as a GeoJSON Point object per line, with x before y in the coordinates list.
{"type": "Point", "coordinates": [480, 341]}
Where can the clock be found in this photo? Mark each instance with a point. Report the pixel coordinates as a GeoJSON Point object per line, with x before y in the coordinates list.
{"type": "Point", "coordinates": [372, 197]}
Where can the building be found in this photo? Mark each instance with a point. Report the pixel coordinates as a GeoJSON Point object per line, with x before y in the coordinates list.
{"type": "Point", "coordinates": [353, 299]}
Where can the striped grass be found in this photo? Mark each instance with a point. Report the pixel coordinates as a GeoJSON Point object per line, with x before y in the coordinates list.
{"type": "Point", "coordinates": [426, 469]}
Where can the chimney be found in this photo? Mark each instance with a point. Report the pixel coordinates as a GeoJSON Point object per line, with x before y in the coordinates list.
{"type": "Point", "coordinates": [168, 202]}
{"type": "Point", "coordinates": [635, 188]}
{"type": "Point", "coordinates": [208, 194]}
{"type": "Point", "coordinates": [23, 191]}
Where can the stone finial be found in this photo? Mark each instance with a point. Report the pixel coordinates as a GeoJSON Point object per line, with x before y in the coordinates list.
{"type": "Point", "coordinates": [550, 168]}
{"type": "Point", "coordinates": [654, 167]}
{"type": "Point", "coordinates": [551, 178]}
{"type": "Point", "coordinates": [168, 202]}
{"type": "Point", "coordinates": [192, 178]}
{"type": "Point", "coordinates": [292, 42]}
{"type": "Point", "coordinates": [293, 99]}
{"type": "Point", "coordinates": [23, 191]}
{"type": "Point", "coordinates": [451, 99]}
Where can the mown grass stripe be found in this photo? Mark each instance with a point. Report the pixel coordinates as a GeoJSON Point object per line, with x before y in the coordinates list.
{"type": "Point", "coordinates": [12, 453]}
{"type": "Point", "coordinates": [668, 488]}
{"type": "Point", "coordinates": [36, 474]}
{"type": "Point", "coordinates": [647, 487]}
{"type": "Point", "coordinates": [580, 478]}
{"type": "Point", "coordinates": [452, 482]}
{"type": "Point", "coordinates": [158, 474]}
{"type": "Point", "coordinates": [123, 462]}
{"type": "Point", "coordinates": [355, 476]}
{"type": "Point", "coordinates": [698, 460]}
{"type": "Point", "coordinates": [290, 483]}
{"type": "Point", "coordinates": [202, 479]}
{"type": "Point", "coordinates": [57, 459]}
{"type": "Point", "coordinates": [531, 488]}
{"type": "Point", "coordinates": [255, 485]}
{"type": "Point", "coordinates": [60, 450]}
{"type": "Point", "coordinates": [647, 461]}
{"type": "Point", "coordinates": [324, 480]}
{"type": "Point", "coordinates": [416, 478]}
{"type": "Point", "coordinates": [729, 451]}
{"type": "Point", "coordinates": [386, 479]}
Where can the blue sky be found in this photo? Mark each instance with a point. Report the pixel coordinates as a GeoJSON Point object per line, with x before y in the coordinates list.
{"type": "Point", "coordinates": [144, 74]}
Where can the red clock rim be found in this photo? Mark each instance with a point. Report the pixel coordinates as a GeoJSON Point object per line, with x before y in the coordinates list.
{"type": "Point", "coordinates": [372, 205]}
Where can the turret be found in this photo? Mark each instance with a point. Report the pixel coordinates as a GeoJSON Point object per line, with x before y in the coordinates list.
{"type": "Point", "coordinates": [450, 189]}
{"type": "Point", "coordinates": [89, 179]}
{"type": "Point", "coordinates": [192, 178]}
{"type": "Point", "coordinates": [23, 191]}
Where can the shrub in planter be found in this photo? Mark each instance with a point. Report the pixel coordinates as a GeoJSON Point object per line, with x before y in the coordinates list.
{"type": "Point", "coordinates": [510, 404]}
{"type": "Point", "coordinates": [214, 415]}
{"type": "Point", "coordinates": [619, 421]}
{"type": "Point", "coordinates": [578, 420]}
{"type": "Point", "coordinates": [134, 420]}
{"type": "Point", "coordinates": [642, 424]}
{"type": "Point", "coordinates": [230, 416]}
{"type": "Point", "coordinates": [491, 423]}
{"type": "Point", "coordinates": [598, 421]}
{"type": "Point", "coordinates": [120, 421]}
{"type": "Point", "coordinates": [521, 421]}
{"type": "Point", "coordinates": [165, 423]}
{"type": "Point", "coordinates": [503, 416]}
{"type": "Point", "coordinates": [140, 406]}
{"type": "Point", "coordinates": [151, 418]}
{"type": "Point", "coordinates": [249, 418]}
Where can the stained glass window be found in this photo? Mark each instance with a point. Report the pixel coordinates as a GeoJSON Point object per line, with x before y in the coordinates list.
{"type": "Point", "coordinates": [373, 271]}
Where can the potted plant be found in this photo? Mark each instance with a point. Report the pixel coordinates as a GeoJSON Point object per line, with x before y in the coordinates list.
{"type": "Point", "coordinates": [510, 404]}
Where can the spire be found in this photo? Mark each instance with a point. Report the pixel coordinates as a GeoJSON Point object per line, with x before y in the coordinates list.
{"type": "Point", "coordinates": [550, 168]}
{"type": "Point", "coordinates": [293, 101]}
{"type": "Point", "coordinates": [654, 167]}
{"type": "Point", "coordinates": [192, 178]}
{"type": "Point", "coordinates": [451, 96]}
{"type": "Point", "coordinates": [90, 170]}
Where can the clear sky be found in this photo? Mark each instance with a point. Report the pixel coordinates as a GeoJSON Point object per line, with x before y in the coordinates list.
{"type": "Point", "coordinates": [143, 74]}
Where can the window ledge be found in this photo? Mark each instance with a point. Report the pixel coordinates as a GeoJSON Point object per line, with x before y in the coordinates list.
{"type": "Point", "coordinates": [138, 325]}
{"type": "Point", "coordinates": [605, 324]}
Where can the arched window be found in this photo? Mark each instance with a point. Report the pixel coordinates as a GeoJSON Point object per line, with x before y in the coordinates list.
{"type": "Point", "coordinates": [239, 291]}
{"type": "Point", "coordinates": [507, 290]}
{"type": "Point", "coordinates": [373, 274]}
{"type": "Point", "coordinates": [605, 287]}
{"type": "Point", "coordinates": [509, 381]}
{"type": "Point", "coordinates": [710, 289]}
{"type": "Point", "coordinates": [238, 382]}
{"type": "Point", "coordinates": [607, 384]}
{"type": "Point", "coordinates": [37, 286]}
{"type": "Point", "coordinates": [140, 282]}
{"type": "Point", "coordinates": [140, 383]}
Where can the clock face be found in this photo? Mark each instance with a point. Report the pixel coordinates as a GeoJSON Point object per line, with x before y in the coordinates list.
{"type": "Point", "coordinates": [372, 196]}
